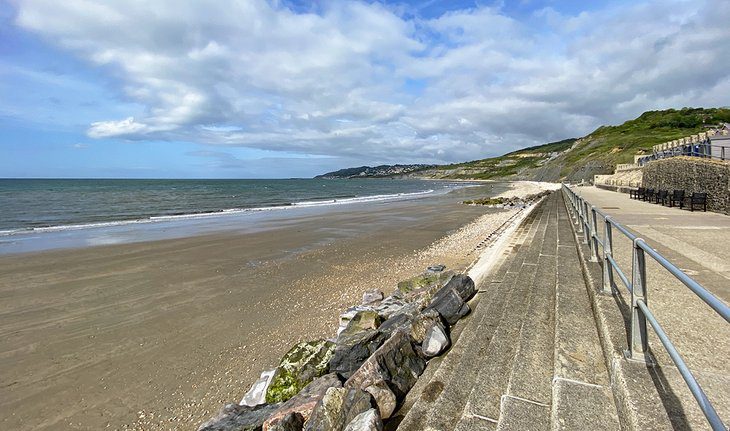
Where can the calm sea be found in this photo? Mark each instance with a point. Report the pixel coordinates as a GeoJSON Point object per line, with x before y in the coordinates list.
{"type": "Point", "coordinates": [46, 205]}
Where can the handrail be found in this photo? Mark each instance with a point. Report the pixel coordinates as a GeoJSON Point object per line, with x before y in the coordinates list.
{"type": "Point", "coordinates": [687, 375]}
{"type": "Point", "coordinates": [711, 300]}
{"type": "Point", "coordinates": [586, 217]}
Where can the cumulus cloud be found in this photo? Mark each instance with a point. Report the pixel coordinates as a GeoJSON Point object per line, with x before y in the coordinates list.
{"type": "Point", "coordinates": [366, 81]}
{"type": "Point", "coordinates": [104, 129]}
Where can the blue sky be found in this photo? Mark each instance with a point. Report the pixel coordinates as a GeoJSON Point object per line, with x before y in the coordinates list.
{"type": "Point", "coordinates": [211, 89]}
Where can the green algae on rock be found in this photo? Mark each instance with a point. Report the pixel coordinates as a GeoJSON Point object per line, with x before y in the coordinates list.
{"type": "Point", "coordinates": [425, 280]}
{"type": "Point", "coordinates": [303, 363]}
{"type": "Point", "coordinates": [362, 321]}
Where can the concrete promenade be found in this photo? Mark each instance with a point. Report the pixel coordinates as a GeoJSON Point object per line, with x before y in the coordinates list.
{"type": "Point", "coordinates": [543, 349]}
{"type": "Point", "coordinates": [528, 357]}
{"type": "Point", "coordinates": [699, 244]}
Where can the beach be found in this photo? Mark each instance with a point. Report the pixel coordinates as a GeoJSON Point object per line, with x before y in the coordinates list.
{"type": "Point", "coordinates": [158, 335]}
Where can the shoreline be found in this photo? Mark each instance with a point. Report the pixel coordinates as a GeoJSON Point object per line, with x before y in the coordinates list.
{"type": "Point", "coordinates": [162, 227]}
{"type": "Point", "coordinates": [158, 335]}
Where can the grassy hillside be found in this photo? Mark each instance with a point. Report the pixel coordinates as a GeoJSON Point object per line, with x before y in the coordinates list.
{"type": "Point", "coordinates": [596, 153]}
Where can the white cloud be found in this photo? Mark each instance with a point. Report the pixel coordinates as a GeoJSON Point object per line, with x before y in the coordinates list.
{"type": "Point", "coordinates": [128, 126]}
{"type": "Point", "coordinates": [340, 82]}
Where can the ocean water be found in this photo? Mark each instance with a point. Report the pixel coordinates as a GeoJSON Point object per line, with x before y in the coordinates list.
{"type": "Point", "coordinates": [39, 205]}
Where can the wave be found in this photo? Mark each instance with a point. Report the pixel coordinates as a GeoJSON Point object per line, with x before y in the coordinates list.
{"type": "Point", "coordinates": [218, 213]}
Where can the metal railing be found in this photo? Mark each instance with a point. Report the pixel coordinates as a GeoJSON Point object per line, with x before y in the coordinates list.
{"type": "Point", "coordinates": [586, 217]}
{"type": "Point", "coordinates": [703, 149]}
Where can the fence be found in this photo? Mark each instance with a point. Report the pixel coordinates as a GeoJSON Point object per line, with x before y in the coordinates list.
{"type": "Point", "coordinates": [704, 149]}
{"type": "Point", "coordinates": [586, 216]}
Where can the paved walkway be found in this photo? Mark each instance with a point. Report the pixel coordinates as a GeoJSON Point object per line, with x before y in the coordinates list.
{"type": "Point", "coordinates": [699, 244]}
{"type": "Point", "coordinates": [698, 241]}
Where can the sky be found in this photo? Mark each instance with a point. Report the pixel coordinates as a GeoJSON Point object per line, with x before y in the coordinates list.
{"type": "Point", "coordinates": [291, 88]}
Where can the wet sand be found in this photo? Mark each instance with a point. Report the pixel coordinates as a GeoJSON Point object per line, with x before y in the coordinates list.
{"type": "Point", "coordinates": [158, 335]}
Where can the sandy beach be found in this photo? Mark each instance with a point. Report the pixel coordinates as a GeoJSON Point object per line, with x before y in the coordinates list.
{"type": "Point", "coordinates": [158, 335]}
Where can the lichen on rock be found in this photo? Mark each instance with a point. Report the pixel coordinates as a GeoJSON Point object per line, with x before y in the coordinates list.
{"type": "Point", "coordinates": [303, 363]}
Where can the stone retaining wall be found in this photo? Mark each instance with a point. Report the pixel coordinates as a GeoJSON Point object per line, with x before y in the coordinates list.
{"type": "Point", "coordinates": [692, 175]}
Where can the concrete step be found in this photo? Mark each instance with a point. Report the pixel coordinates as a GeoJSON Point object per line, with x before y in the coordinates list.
{"type": "Point", "coordinates": [517, 414]}
{"type": "Point", "coordinates": [495, 365]}
{"type": "Point", "coordinates": [526, 405]}
{"type": "Point", "coordinates": [422, 398]}
{"type": "Point", "coordinates": [532, 373]}
{"type": "Point", "coordinates": [440, 400]}
{"type": "Point", "coordinates": [581, 395]}
{"type": "Point", "coordinates": [581, 406]}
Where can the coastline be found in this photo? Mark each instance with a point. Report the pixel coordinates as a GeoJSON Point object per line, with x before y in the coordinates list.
{"type": "Point", "coordinates": [158, 335]}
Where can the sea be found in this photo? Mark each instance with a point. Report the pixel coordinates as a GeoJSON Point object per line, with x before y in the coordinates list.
{"type": "Point", "coordinates": [38, 214]}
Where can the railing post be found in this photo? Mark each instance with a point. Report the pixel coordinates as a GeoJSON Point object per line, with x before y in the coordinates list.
{"type": "Point", "coordinates": [579, 213]}
{"type": "Point", "coordinates": [588, 237]}
{"type": "Point", "coordinates": [607, 285]}
{"type": "Point", "coordinates": [586, 226]}
{"type": "Point", "coordinates": [639, 348]}
{"type": "Point", "coordinates": [594, 234]}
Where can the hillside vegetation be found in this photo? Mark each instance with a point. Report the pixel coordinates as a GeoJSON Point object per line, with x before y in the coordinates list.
{"type": "Point", "coordinates": [596, 153]}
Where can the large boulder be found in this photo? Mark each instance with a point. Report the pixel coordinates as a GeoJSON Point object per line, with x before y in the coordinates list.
{"type": "Point", "coordinates": [302, 364]}
{"type": "Point", "coordinates": [303, 403]}
{"type": "Point", "coordinates": [337, 408]}
{"type": "Point", "coordinates": [449, 304]}
{"type": "Point", "coordinates": [390, 306]}
{"type": "Point", "coordinates": [422, 323]}
{"type": "Point", "coordinates": [395, 363]}
{"type": "Point", "coordinates": [234, 417]}
{"type": "Point", "coordinates": [362, 321]}
{"type": "Point", "coordinates": [436, 341]}
{"type": "Point", "coordinates": [384, 398]}
{"type": "Point", "coordinates": [366, 421]}
{"type": "Point", "coordinates": [416, 324]}
{"type": "Point", "coordinates": [352, 349]}
{"type": "Point", "coordinates": [348, 314]}
{"type": "Point", "coordinates": [423, 284]}
{"type": "Point", "coordinates": [257, 394]}
{"type": "Point", "coordinates": [463, 285]}
{"type": "Point", "coordinates": [357, 342]}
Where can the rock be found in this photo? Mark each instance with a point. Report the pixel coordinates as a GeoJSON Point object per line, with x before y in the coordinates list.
{"type": "Point", "coordinates": [303, 403]}
{"type": "Point", "coordinates": [302, 364]}
{"type": "Point", "coordinates": [422, 323]}
{"type": "Point", "coordinates": [463, 285]}
{"type": "Point", "coordinates": [396, 322]}
{"type": "Point", "coordinates": [239, 418]}
{"type": "Point", "coordinates": [366, 421]}
{"type": "Point", "coordinates": [389, 307]}
{"type": "Point", "coordinates": [426, 283]}
{"type": "Point", "coordinates": [337, 408]}
{"type": "Point", "coordinates": [449, 304]}
{"type": "Point", "coordinates": [384, 398]}
{"type": "Point", "coordinates": [395, 363]}
{"type": "Point", "coordinates": [435, 341]}
{"type": "Point", "coordinates": [436, 268]}
{"type": "Point", "coordinates": [257, 394]}
{"type": "Point", "coordinates": [348, 315]}
{"type": "Point", "coordinates": [414, 323]}
{"type": "Point", "coordinates": [372, 297]}
{"type": "Point", "coordinates": [353, 349]}
{"type": "Point", "coordinates": [290, 422]}
{"type": "Point", "coordinates": [362, 321]}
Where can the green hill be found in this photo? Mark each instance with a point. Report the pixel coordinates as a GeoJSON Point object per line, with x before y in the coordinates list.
{"type": "Point", "coordinates": [596, 153]}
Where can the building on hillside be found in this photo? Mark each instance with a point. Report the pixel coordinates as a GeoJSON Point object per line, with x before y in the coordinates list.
{"type": "Point", "coordinates": [714, 144]}
{"type": "Point", "coordinates": [719, 144]}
